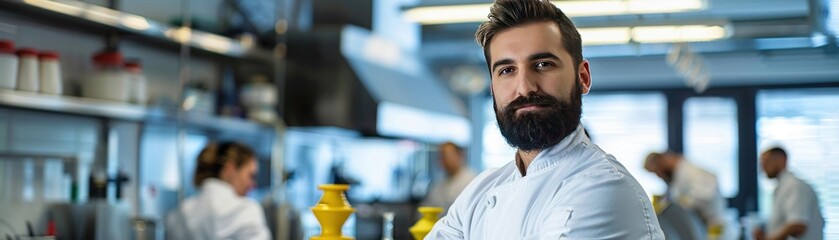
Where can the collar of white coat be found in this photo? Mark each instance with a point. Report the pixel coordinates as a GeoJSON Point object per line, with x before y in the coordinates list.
{"type": "Point", "coordinates": [217, 186]}
{"type": "Point", "coordinates": [550, 156]}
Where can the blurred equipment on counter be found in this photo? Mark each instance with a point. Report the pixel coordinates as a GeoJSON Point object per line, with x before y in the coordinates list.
{"type": "Point", "coordinates": [27, 78]}
{"type": "Point", "coordinates": [198, 98]}
{"type": "Point", "coordinates": [387, 226]}
{"type": "Point", "coordinates": [50, 73]}
{"type": "Point", "coordinates": [430, 215]}
{"type": "Point", "coordinates": [145, 229]}
{"type": "Point", "coordinates": [332, 211]}
{"type": "Point", "coordinates": [8, 65]}
{"type": "Point", "coordinates": [137, 82]}
{"type": "Point", "coordinates": [260, 99]}
{"type": "Point", "coordinates": [95, 220]}
{"type": "Point", "coordinates": [108, 81]}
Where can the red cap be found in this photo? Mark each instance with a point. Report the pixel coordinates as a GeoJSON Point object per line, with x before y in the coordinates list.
{"type": "Point", "coordinates": [133, 64]}
{"type": "Point", "coordinates": [51, 55]}
{"type": "Point", "coordinates": [27, 52]}
{"type": "Point", "coordinates": [108, 58]}
{"type": "Point", "coordinates": [7, 46]}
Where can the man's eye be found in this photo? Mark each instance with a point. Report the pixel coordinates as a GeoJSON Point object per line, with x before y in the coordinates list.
{"type": "Point", "coordinates": [543, 64]}
{"type": "Point", "coordinates": [505, 71]}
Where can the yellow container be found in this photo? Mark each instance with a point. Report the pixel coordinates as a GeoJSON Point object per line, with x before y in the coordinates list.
{"type": "Point", "coordinates": [332, 211]}
{"type": "Point", "coordinates": [430, 215]}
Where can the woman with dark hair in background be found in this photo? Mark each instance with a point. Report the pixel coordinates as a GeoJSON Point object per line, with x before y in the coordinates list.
{"type": "Point", "coordinates": [225, 173]}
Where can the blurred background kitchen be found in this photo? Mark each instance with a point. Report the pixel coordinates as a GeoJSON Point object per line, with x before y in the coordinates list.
{"type": "Point", "coordinates": [105, 104]}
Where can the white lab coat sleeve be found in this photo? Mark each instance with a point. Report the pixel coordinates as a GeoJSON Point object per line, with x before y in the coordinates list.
{"type": "Point", "coordinates": [453, 225]}
{"type": "Point", "coordinates": [600, 205]}
{"type": "Point", "coordinates": [253, 224]}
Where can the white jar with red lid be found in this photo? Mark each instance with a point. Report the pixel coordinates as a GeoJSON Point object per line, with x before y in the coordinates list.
{"type": "Point", "coordinates": [8, 65]}
{"type": "Point", "coordinates": [137, 80]}
{"type": "Point", "coordinates": [50, 73]}
{"type": "Point", "coordinates": [108, 81]}
{"type": "Point", "coordinates": [27, 74]}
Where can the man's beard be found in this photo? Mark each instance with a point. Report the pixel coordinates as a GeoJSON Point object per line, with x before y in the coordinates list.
{"type": "Point", "coordinates": [543, 128]}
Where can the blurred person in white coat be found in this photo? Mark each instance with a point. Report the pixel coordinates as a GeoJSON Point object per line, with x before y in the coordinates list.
{"type": "Point", "coordinates": [559, 185]}
{"type": "Point", "coordinates": [444, 193]}
{"type": "Point", "coordinates": [225, 173]}
{"type": "Point", "coordinates": [693, 188]}
{"type": "Point", "coordinates": [795, 207]}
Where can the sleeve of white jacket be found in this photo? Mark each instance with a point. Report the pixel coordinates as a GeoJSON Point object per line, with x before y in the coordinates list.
{"type": "Point", "coordinates": [253, 225]}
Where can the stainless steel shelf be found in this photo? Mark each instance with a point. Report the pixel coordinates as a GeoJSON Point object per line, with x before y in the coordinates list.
{"type": "Point", "coordinates": [35, 156]}
{"type": "Point", "coordinates": [74, 105]}
{"type": "Point", "coordinates": [123, 111]}
{"type": "Point", "coordinates": [140, 26]}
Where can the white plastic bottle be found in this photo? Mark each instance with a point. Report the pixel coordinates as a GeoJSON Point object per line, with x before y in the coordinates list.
{"type": "Point", "coordinates": [108, 81]}
{"type": "Point", "coordinates": [50, 74]}
{"type": "Point", "coordinates": [27, 78]}
{"type": "Point", "coordinates": [137, 81]}
{"type": "Point", "coordinates": [8, 65]}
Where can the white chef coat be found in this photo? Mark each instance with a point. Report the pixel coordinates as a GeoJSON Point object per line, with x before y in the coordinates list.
{"type": "Point", "coordinates": [444, 193]}
{"type": "Point", "coordinates": [795, 201]}
{"type": "Point", "coordinates": [572, 190]}
{"type": "Point", "coordinates": [217, 212]}
{"type": "Point", "coordinates": [697, 190]}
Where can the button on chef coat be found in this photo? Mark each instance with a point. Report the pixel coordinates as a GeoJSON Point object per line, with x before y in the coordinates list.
{"type": "Point", "coordinates": [573, 190]}
{"type": "Point", "coordinates": [217, 213]}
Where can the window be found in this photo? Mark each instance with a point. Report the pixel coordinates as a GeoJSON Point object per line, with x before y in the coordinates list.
{"type": "Point", "coordinates": [711, 139]}
{"type": "Point", "coordinates": [629, 126]}
{"type": "Point", "coordinates": [496, 151]}
{"type": "Point", "coordinates": [806, 123]}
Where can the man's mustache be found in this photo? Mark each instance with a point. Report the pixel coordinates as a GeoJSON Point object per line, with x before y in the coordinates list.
{"type": "Point", "coordinates": [535, 99]}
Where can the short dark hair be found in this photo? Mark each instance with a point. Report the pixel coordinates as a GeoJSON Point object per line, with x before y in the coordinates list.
{"type": "Point", "coordinates": [505, 14]}
{"type": "Point", "coordinates": [777, 151]}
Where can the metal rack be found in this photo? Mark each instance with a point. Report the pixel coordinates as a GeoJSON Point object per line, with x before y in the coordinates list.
{"type": "Point", "coordinates": [83, 14]}
{"type": "Point", "coordinates": [123, 111]}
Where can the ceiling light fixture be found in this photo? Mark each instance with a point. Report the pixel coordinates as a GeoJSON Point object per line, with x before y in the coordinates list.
{"type": "Point", "coordinates": [652, 34]}
{"type": "Point", "coordinates": [446, 14]}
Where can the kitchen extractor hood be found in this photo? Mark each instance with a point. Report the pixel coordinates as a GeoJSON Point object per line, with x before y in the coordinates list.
{"type": "Point", "coordinates": [348, 78]}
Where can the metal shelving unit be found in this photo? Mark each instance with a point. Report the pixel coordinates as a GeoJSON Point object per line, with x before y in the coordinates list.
{"type": "Point", "coordinates": [123, 111]}
{"type": "Point", "coordinates": [113, 117]}
{"type": "Point", "coordinates": [69, 12]}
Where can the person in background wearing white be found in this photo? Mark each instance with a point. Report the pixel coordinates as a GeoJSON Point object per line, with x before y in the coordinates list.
{"type": "Point", "coordinates": [795, 208]}
{"type": "Point", "coordinates": [560, 185]}
{"type": "Point", "coordinates": [444, 193]}
{"type": "Point", "coordinates": [225, 173]}
{"type": "Point", "coordinates": [690, 186]}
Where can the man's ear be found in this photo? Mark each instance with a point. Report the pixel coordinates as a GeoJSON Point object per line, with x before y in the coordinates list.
{"type": "Point", "coordinates": [585, 76]}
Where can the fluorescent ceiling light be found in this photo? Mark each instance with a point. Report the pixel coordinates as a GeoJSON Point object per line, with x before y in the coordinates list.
{"type": "Point", "coordinates": [601, 36]}
{"type": "Point", "coordinates": [686, 33]}
{"type": "Point", "coordinates": [651, 34]}
{"type": "Point", "coordinates": [574, 8]}
{"type": "Point", "coordinates": [449, 14]}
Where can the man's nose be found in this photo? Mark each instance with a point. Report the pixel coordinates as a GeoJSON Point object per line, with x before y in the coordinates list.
{"type": "Point", "coordinates": [526, 83]}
